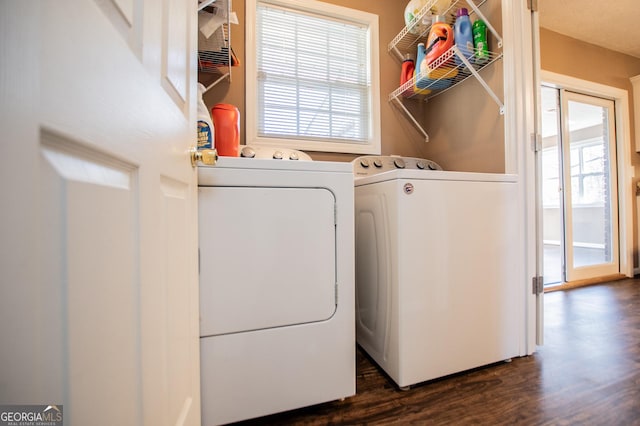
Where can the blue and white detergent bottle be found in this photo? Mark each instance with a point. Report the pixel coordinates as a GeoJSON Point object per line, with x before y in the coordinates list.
{"type": "Point", "coordinates": [426, 78]}
{"type": "Point", "coordinates": [206, 132]}
{"type": "Point", "coordinates": [463, 35]}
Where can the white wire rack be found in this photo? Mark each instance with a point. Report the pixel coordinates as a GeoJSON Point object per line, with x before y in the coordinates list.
{"type": "Point", "coordinates": [214, 53]}
{"type": "Point", "coordinates": [406, 41]}
{"type": "Point", "coordinates": [449, 74]}
{"type": "Point", "coordinates": [451, 68]}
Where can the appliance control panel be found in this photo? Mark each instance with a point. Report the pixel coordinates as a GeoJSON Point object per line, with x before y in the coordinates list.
{"type": "Point", "coordinates": [274, 153]}
{"type": "Point", "coordinates": [372, 164]}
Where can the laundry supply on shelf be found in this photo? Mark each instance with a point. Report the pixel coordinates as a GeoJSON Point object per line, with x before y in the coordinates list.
{"type": "Point", "coordinates": [480, 41]}
{"type": "Point", "coordinates": [463, 36]}
{"type": "Point", "coordinates": [407, 73]}
{"type": "Point", "coordinates": [440, 39]}
{"type": "Point", "coordinates": [411, 11]}
{"type": "Point", "coordinates": [436, 77]}
{"type": "Point", "coordinates": [418, 20]}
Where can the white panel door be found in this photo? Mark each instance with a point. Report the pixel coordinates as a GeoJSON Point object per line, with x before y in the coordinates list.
{"type": "Point", "coordinates": [98, 237]}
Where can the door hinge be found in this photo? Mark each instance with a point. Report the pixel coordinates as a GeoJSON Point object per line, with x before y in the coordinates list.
{"type": "Point", "coordinates": [537, 285]}
{"type": "Point", "coordinates": [532, 5]}
{"type": "Point", "coordinates": [536, 142]}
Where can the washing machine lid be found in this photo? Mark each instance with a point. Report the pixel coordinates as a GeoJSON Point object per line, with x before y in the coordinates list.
{"type": "Point", "coordinates": [369, 169]}
{"type": "Point", "coordinates": [434, 175]}
{"type": "Point", "coordinates": [267, 258]}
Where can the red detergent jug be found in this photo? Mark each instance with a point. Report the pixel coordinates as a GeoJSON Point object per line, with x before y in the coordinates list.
{"type": "Point", "coordinates": [408, 69]}
{"type": "Point", "coordinates": [226, 121]}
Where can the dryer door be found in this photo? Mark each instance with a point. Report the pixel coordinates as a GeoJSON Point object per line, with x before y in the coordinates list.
{"type": "Point", "coordinates": [267, 257]}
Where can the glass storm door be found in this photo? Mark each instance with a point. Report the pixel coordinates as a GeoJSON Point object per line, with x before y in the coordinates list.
{"type": "Point", "coordinates": [590, 190]}
{"type": "Point", "coordinates": [579, 187]}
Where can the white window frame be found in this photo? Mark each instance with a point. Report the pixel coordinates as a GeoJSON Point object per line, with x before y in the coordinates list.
{"type": "Point", "coordinates": [373, 144]}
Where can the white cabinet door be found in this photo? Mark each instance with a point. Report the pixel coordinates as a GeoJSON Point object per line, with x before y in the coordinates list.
{"type": "Point", "coordinates": [98, 237]}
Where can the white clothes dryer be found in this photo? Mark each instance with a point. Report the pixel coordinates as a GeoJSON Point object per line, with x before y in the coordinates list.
{"type": "Point", "coordinates": [277, 308]}
{"type": "Point", "coordinates": [437, 278]}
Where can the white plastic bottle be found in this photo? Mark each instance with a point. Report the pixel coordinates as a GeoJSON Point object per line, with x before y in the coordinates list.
{"type": "Point", "coordinates": [206, 133]}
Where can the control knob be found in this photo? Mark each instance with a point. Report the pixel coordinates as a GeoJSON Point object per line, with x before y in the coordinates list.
{"type": "Point", "coordinates": [247, 152]}
{"type": "Point", "coordinates": [399, 163]}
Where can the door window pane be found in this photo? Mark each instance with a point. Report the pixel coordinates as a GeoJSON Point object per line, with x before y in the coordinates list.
{"type": "Point", "coordinates": [590, 188]}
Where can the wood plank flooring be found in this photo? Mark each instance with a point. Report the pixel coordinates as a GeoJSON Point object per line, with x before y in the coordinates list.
{"type": "Point", "coordinates": [587, 373]}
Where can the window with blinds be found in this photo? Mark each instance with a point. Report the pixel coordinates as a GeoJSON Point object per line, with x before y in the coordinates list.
{"type": "Point", "coordinates": [312, 77]}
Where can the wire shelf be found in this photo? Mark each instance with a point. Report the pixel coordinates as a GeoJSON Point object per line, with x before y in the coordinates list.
{"type": "Point", "coordinates": [214, 53]}
{"type": "Point", "coordinates": [445, 74]}
{"type": "Point", "coordinates": [451, 68]}
{"type": "Point", "coordinates": [406, 41]}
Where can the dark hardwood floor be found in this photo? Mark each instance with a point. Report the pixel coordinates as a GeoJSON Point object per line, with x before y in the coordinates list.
{"type": "Point", "coordinates": [587, 373]}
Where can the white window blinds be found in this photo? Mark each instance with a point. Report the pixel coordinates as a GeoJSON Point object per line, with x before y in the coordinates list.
{"type": "Point", "coordinates": [313, 76]}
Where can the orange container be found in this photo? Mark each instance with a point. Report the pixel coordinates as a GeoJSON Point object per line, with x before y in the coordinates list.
{"type": "Point", "coordinates": [440, 39]}
{"type": "Point", "coordinates": [226, 121]}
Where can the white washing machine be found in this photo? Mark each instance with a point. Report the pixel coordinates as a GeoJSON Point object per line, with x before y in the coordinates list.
{"type": "Point", "coordinates": [277, 308]}
{"type": "Point", "coordinates": [437, 277]}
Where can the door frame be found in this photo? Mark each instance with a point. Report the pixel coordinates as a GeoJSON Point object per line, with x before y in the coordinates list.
{"type": "Point", "coordinates": [626, 171]}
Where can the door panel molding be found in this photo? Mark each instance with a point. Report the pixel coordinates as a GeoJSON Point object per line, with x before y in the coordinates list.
{"type": "Point", "coordinates": [125, 16]}
{"type": "Point", "coordinates": [177, 50]}
{"type": "Point", "coordinates": [88, 216]}
{"type": "Point", "coordinates": [81, 163]}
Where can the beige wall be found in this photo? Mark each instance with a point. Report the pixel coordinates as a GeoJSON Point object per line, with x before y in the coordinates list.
{"type": "Point", "coordinates": [564, 55]}
{"type": "Point", "coordinates": [478, 148]}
